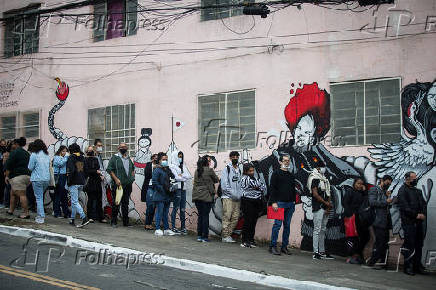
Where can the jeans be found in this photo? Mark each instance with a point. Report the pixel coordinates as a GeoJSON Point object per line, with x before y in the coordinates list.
{"type": "Point", "coordinates": [320, 220]}
{"type": "Point", "coordinates": [203, 208]}
{"type": "Point", "coordinates": [162, 209]}
{"type": "Point", "coordinates": [179, 201]}
{"type": "Point", "coordinates": [39, 188]}
{"type": "Point", "coordinates": [250, 210]}
{"type": "Point", "coordinates": [149, 212]}
{"type": "Point", "coordinates": [75, 205]}
{"type": "Point", "coordinates": [289, 211]}
{"type": "Point", "coordinates": [127, 190]}
{"type": "Point", "coordinates": [61, 198]}
{"type": "Point", "coordinates": [231, 210]}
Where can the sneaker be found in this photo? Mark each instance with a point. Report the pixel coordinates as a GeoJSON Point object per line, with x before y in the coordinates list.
{"type": "Point", "coordinates": [91, 221]}
{"type": "Point", "coordinates": [205, 240]}
{"type": "Point", "coordinates": [253, 244]}
{"type": "Point", "coordinates": [245, 245]}
{"type": "Point", "coordinates": [39, 220]}
{"type": "Point", "coordinates": [169, 233]}
{"type": "Point", "coordinates": [85, 221]}
{"type": "Point", "coordinates": [113, 225]}
{"type": "Point", "coordinates": [183, 232]}
{"type": "Point", "coordinates": [325, 256]}
{"type": "Point", "coordinates": [71, 222]}
{"type": "Point", "coordinates": [316, 256]}
{"type": "Point", "coordinates": [199, 239]}
{"type": "Point", "coordinates": [176, 231]}
{"type": "Point", "coordinates": [228, 240]}
{"type": "Point", "coordinates": [158, 233]}
{"type": "Point", "coordinates": [285, 251]}
{"type": "Point", "coordinates": [274, 251]}
{"type": "Point", "coordinates": [2, 206]}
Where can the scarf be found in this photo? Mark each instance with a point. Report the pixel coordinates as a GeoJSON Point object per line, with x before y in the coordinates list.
{"type": "Point", "coordinates": [324, 184]}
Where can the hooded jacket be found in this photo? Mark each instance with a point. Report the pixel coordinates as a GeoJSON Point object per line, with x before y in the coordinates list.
{"type": "Point", "coordinates": [231, 182]}
{"type": "Point", "coordinates": [76, 170]}
{"type": "Point", "coordinates": [179, 176]}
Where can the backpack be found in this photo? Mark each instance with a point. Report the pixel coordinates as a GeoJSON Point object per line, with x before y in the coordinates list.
{"type": "Point", "coordinates": [366, 212]}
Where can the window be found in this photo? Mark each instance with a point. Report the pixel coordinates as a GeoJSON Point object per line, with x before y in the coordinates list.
{"type": "Point", "coordinates": [220, 12]}
{"type": "Point", "coordinates": [113, 125]}
{"type": "Point", "coordinates": [115, 18]}
{"type": "Point", "coordinates": [226, 121]}
{"type": "Point", "coordinates": [20, 124]}
{"type": "Point", "coordinates": [21, 32]}
{"type": "Point", "coordinates": [366, 112]}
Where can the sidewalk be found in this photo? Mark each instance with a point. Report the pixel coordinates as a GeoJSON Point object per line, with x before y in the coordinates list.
{"type": "Point", "coordinates": [299, 266]}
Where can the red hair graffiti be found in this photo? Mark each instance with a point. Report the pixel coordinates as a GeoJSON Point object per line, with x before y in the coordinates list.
{"type": "Point", "coordinates": [309, 100]}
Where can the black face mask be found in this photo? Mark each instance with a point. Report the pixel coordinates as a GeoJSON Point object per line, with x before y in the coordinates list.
{"type": "Point", "coordinates": [414, 183]}
{"type": "Point", "coordinates": [90, 153]}
{"type": "Point", "coordinates": [234, 161]}
{"type": "Point", "coordinates": [123, 151]}
{"type": "Point", "coordinates": [386, 186]}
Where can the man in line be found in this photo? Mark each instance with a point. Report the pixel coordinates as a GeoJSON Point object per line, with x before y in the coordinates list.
{"type": "Point", "coordinates": [413, 211]}
{"type": "Point", "coordinates": [380, 199]}
{"type": "Point", "coordinates": [231, 196]}
{"type": "Point", "coordinates": [283, 194]}
{"type": "Point", "coordinates": [121, 170]}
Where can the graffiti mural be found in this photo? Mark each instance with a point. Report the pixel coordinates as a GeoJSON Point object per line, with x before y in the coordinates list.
{"type": "Point", "coordinates": [142, 156]}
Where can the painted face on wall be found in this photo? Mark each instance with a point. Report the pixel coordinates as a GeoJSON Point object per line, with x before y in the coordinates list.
{"type": "Point", "coordinates": [144, 143]}
{"type": "Point", "coordinates": [431, 97]}
{"type": "Point", "coordinates": [304, 131]}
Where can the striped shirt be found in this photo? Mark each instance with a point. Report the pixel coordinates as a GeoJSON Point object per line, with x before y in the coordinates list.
{"type": "Point", "coordinates": [252, 187]}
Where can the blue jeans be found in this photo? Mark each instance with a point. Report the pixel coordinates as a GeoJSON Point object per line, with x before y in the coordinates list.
{"type": "Point", "coordinates": [61, 198]}
{"type": "Point", "coordinates": [289, 211]}
{"type": "Point", "coordinates": [149, 212]}
{"type": "Point", "coordinates": [75, 205]}
{"type": "Point", "coordinates": [179, 201]}
{"type": "Point", "coordinates": [39, 188]}
{"type": "Point", "coordinates": [162, 209]}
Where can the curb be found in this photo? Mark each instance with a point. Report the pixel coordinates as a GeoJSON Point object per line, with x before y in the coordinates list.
{"type": "Point", "coordinates": [183, 264]}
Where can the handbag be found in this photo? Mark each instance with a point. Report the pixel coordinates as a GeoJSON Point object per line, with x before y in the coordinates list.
{"type": "Point", "coordinates": [118, 195]}
{"type": "Point", "coordinates": [350, 226]}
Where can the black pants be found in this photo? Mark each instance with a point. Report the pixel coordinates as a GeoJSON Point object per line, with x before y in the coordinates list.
{"type": "Point", "coordinates": [203, 208]}
{"type": "Point", "coordinates": [250, 210]}
{"type": "Point", "coordinates": [364, 237]}
{"type": "Point", "coordinates": [380, 245]}
{"type": "Point", "coordinates": [413, 242]}
{"type": "Point", "coordinates": [94, 205]}
{"type": "Point", "coordinates": [127, 190]}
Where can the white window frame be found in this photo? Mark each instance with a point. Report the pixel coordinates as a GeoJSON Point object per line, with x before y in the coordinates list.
{"type": "Point", "coordinates": [19, 123]}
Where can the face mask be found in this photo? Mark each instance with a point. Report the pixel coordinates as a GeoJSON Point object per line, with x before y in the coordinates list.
{"type": "Point", "coordinates": [234, 161]}
{"type": "Point", "coordinates": [90, 153]}
{"type": "Point", "coordinates": [180, 160]}
{"type": "Point", "coordinates": [123, 151]}
{"type": "Point", "coordinates": [99, 149]}
{"type": "Point", "coordinates": [414, 183]}
{"type": "Point", "coordinates": [386, 186]}
{"type": "Point", "coordinates": [284, 166]}
{"type": "Point", "coordinates": [164, 163]}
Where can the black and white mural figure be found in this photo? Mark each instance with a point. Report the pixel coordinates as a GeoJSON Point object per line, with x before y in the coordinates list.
{"type": "Point", "coordinates": [142, 156]}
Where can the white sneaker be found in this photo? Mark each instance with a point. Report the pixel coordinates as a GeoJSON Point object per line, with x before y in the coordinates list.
{"type": "Point", "coordinates": [228, 240]}
{"type": "Point", "coordinates": [169, 233]}
{"type": "Point", "coordinates": [39, 220]}
{"type": "Point", "coordinates": [158, 233]}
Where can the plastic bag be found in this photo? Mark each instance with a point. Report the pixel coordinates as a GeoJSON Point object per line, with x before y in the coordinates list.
{"type": "Point", "coordinates": [118, 195]}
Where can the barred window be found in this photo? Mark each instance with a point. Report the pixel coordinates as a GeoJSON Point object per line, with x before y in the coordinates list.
{"type": "Point", "coordinates": [211, 13]}
{"type": "Point", "coordinates": [19, 124]}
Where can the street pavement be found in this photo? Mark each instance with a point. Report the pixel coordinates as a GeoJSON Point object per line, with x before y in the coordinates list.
{"type": "Point", "coordinates": [299, 266]}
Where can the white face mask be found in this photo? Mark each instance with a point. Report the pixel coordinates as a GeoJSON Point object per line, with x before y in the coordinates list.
{"type": "Point", "coordinates": [323, 170]}
{"type": "Point", "coordinates": [99, 149]}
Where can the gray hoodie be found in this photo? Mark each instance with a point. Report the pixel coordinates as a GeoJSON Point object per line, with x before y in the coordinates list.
{"type": "Point", "coordinates": [230, 182]}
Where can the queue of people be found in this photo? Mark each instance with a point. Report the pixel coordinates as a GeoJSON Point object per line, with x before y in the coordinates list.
{"type": "Point", "coordinates": [72, 170]}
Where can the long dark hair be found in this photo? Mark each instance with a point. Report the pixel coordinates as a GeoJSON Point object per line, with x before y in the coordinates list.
{"type": "Point", "coordinates": [61, 148]}
{"type": "Point", "coordinates": [39, 145]}
{"type": "Point", "coordinates": [183, 159]}
{"type": "Point", "coordinates": [201, 163]}
{"type": "Point", "coordinates": [246, 167]}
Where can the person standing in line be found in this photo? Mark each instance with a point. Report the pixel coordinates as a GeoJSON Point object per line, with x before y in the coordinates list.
{"type": "Point", "coordinates": [161, 194]}
{"type": "Point", "coordinates": [181, 175]}
{"type": "Point", "coordinates": [147, 192]}
{"type": "Point", "coordinates": [92, 186]}
{"type": "Point", "coordinates": [2, 173]}
{"type": "Point", "coordinates": [39, 165]}
{"type": "Point", "coordinates": [17, 174]}
{"type": "Point", "coordinates": [203, 193]}
{"type": "Point", "coordinates": [231, 196]}
{"type": "Point", "coordinates": [321, 206]}
{"type": "Point", "coordinates": [75, 180]}
{"type": "Point", "coordinates": [60, 172]}
{"type": "Point", "coordinates": [252, 189]}
{"type": "Point", "coordinates": [122, 171]}
{"type": "Point", "coordinates": [379, 200]}
{"type": "Point", "coordinates": [283, 195]}
{"type": "Point", "coordinates": [7, 193]}
{"type": "Point", "coordinates": [106, 182]}
{"type": "Point", "coordinates": [413, 212]}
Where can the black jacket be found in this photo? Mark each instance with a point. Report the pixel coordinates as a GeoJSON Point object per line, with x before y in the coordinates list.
{"type": "Point", "coordinates": [94, 180]}
{"type": "Point", "coordinates": [76, 170]}
{"type": "Point", "coordinates": [411, 203]}
{"type": "Point", "coordinates": [147, 177]}
{"type": "Point", "coordinates": [352, 202]}
{"type": "Point", "coordinates": [282, 186]}
{"type": "Point", "coordinates": [378, 201]}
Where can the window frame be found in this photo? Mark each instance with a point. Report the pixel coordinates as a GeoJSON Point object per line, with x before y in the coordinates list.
{"type": "Point", "coordinates": [232, 12]}
{"type": "Point", "coordinates": [226, 149]}
{"type": "Point", "coordinates": [19, 123]}
{"type": "Point", "coordinates": [364, 81]}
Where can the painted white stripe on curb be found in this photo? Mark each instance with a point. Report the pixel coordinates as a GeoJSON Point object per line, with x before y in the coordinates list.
{"type": "Point", "coordinates": [183, 264]}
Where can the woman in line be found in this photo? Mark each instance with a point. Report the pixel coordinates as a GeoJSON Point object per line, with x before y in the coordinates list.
{"type": "Point", "coordinates": [203, 193]}
{"type": "Point", "coordinates": [251, 203]}
{"type": "Point", "coordinates": [92, 187]}
{"type": "Point", "coordinates": [60, 172]}
{"type": "Point", "coordinates": [39, 165]}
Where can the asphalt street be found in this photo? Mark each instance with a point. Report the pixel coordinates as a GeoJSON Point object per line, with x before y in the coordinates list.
{"type": "Point", "coordinates": [64, 267]}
